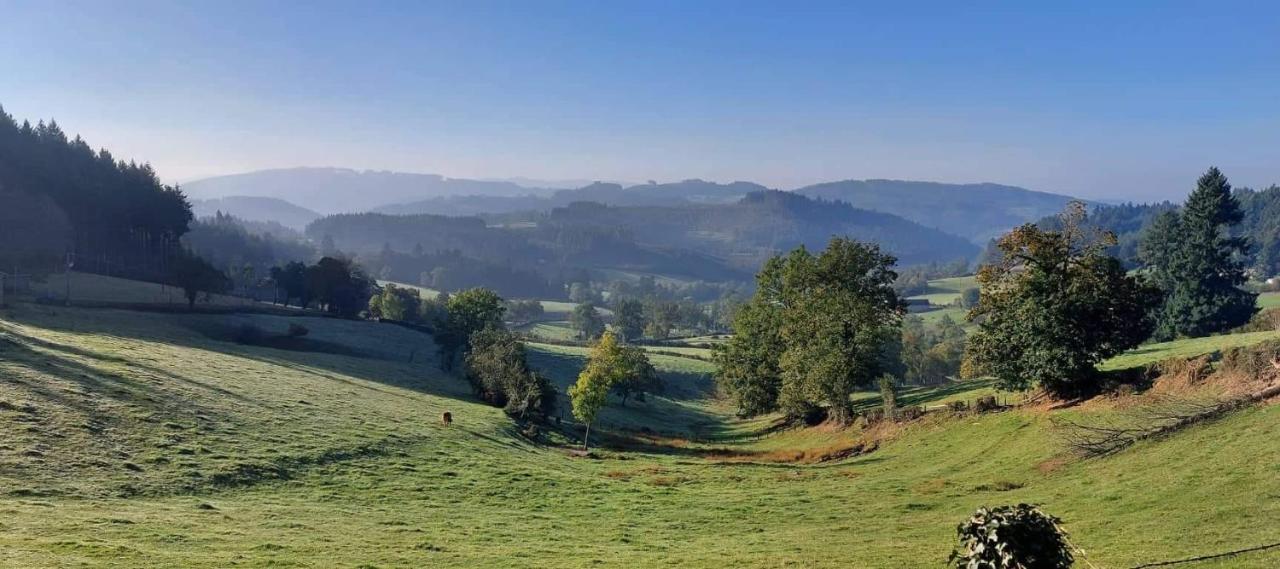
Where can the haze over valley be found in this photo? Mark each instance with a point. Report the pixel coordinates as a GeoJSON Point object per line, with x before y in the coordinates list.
{"type": "Point", "coordinates": [580, 284]}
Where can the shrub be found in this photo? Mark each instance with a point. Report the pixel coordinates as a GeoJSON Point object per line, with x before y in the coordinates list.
{"type": "Point", "coordinates": [1265, 321]}
{"type": "Point", "coordinates": [888, 394]}
{"type": "Point", "coordinates": [874, 416]}
{"type": "Point", "coordinates": [910, 413]}
{"type": "Point", "coordinates": [1192, 370]}
{"type": "Point", "coordinates": [297, 330]}
{"type": "Point", "coordinates": [957, 407]}
{"type": "Point", "coordinates": [985, 403]}
{"type": "Point", "coordinates": [1251, 361]}
{"type": "Point", "coordinates": [1011, 537]}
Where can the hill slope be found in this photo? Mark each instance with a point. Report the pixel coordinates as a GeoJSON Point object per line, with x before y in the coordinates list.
{"type": "Point", "coordinates": [670, 194]}
{"type": "Point", "coordinates": [978, 212]}
{"type": "Point", "coordinates": [256, 209]}
{"type": "Point", "coordinates": [146, 440]}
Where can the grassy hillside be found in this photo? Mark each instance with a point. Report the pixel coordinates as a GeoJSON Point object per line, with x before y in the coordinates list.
{"type": "Point", "coordinates": [1186, 348]}
{"type": "Point", "coordinates": [943, 292]}
{"type": "Point", "coordinates": [154, 440]}
{"type": "Point", "coordinates": [1269, 300]}
{"type": "Point", "coordinates": [91, 288]}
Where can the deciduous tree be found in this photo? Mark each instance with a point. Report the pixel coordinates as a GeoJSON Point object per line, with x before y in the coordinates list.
{"type": "Point", "coordinates": [817, 328]}
{"type": "Point", "coordinates": [586, 321]}
{"type": "Point", "coordinates": [1054, 306]}
{"type": "Point", "coordinates": [606, 366]}
{"type": "Point", "coordinates": [467, 312]}
{"type": "Point", "coordinates": [499, 373]}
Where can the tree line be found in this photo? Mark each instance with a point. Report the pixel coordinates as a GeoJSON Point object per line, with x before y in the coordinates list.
{"type": "Point", "coordinates": [119, 218]}
{"type": "Point", "coordinates": [1133, 224]}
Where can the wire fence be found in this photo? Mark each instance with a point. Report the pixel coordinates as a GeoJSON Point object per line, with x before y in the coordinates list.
{"type": "Point", "coordinates": [1210, 557]}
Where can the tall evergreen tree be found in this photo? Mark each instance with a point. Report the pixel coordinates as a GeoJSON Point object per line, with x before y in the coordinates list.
{"type": "Point", "coordinates": [1199, 264]}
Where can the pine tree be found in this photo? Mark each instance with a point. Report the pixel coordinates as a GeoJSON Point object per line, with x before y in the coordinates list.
{"type": "Point", "coordinates": [1200, 265]}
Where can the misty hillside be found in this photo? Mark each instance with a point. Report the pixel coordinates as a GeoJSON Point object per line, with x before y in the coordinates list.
{"type": "Point", "coordinates": [257, 209]}
{"type": "Point", "coordinates": [978, 212]}
{"type": "Point", "coordinates": [670, 194]}
{"type": "Point", "coordinates": [341, 190]}
{"type": "Point", "coordinates": [763, 223]}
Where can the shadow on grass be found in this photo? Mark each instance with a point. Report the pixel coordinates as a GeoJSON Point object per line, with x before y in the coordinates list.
{"type": "Point", "coordinates": [64, 362]}
{"type": "Point", "coordinates": [215, 333]}
{"type": "Point", "coordinates": [368, 357]}
{"type": "Point", "coordinates": [926, 394]}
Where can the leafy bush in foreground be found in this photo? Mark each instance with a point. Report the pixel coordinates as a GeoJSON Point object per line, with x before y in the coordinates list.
{"type": "Point", "coordinates": [1011, 537]}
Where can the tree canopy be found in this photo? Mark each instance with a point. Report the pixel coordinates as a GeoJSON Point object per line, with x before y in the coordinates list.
{"type": "Point", "coordinates": [611, 367]}
{"type": "Point", "coordinates": [586, 321]}
{"type": "Point", "coordinates": [499, 373]}
{"type": "Point", "coordinates": [1200, 265]}
{"type": "Point", "coordinates": [1054, 306]}
{"type": "Point", "coordinates": [467, 312]}
{"type": "Point", "coordinates": [817, 328]}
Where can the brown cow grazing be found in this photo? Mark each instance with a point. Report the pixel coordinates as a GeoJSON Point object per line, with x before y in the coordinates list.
{"type": "Point", "coordinates": [446, 418]}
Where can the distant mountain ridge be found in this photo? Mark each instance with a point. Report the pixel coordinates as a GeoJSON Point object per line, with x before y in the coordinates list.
{"type": "Point", "coordinates": [693, 191]}
{"type": "Point", "coordinates": [709, 241]}
{"type": "Point", "coordinates": [977, 212]}
{"type": "Point", "coordinates": [342, 190]}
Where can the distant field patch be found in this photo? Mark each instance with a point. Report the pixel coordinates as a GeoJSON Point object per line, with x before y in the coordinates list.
{"type": "Point", "coordinates": [1269, 300]}
{"type": "Point", "coordinates": [943, 292]}
{"type": "Point", "coordinates": [682, 350]}
{"type": "Point", "coordinates": [554, 330]}
{"type": "Point", "coordinates": [1189, 348]}
{"type": "Point", "coordinates": [955, 312]}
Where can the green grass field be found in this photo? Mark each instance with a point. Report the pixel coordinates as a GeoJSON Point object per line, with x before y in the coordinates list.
{"type": "Point", "coordinates": [551, 330]}
{"type": "Point", "coordinates": [943, 292]}
{"type": "Point", "coordinates": [1152, 353]}
{"type": "Point", "coordinates": [1269, 300]}
{"type": "Point", "coordinates": [152, 440]}
{"type": "Point", "coordinates": [88, 287]}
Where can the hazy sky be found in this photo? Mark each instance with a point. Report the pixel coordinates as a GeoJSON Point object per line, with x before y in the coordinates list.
{"type": "Point", "coordinates": [1102, 100]}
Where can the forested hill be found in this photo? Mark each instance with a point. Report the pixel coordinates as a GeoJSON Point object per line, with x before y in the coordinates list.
{"type": "Point", "coordinates": [977, 212]}
{"type": "Point", "coordinates": [257, 209]}
{"type": "Point", "coordinates": [1261, 226]}
{"type": "Point", "coordinates": [712, 242]}
{"type": "Point", "coordinates": [341, 190]}
{"type": "Point", "coordinates": [653, 194]}
{"type": "Point", "coordinates": [767, 222]}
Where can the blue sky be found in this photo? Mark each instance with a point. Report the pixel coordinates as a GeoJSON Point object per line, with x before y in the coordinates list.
{"type": "Point", "coordinates": [1110, 100]}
